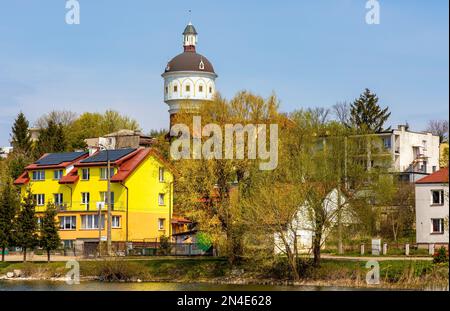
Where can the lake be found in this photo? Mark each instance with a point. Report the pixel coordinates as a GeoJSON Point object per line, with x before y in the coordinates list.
{"type": "Point", "coordinates": [155, 286]}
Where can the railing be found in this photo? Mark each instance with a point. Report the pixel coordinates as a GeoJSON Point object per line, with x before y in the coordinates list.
{"type": "Point", "coordinates": [78, 206]}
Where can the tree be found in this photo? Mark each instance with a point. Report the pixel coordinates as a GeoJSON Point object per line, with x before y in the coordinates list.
{"type": "Point", "coordinates": [49, 237]}
{"type": "Point", "coordinates": [9, 205]}
{"type": "Point", "coordinates": [208, 190]}
{"type": "Point", "coordinates": [366, 115]}
{"type": "Point", "coordinates": [26, 225]}
{"type": "Point", "coordinates": [341, 110]}
{"type": "Point", "coordinates": [16, 163]}
{"type": "Point", "coordinates": [439, 128]}
{"type": "Point", "coordinates": [20, 136]}
{"type": "Point", "coordinates": [51, 139]}
{"type": "Point", "coordinates": [64, 117]}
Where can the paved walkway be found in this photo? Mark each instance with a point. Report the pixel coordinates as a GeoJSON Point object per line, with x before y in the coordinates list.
{"type": "Point", "coordinates": [378, 258]}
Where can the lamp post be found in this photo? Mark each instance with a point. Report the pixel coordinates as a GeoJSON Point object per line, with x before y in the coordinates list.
{"type": "Point", "coordinates": [108, 201]}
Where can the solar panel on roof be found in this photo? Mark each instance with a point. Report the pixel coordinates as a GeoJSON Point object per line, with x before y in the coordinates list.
{"type": "Point", "coordinates": [113, 155]}
{"type": "Point", "coordinates": [58, 158]}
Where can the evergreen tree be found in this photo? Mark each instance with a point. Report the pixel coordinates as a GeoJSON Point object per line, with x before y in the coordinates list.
{"type": "Point", "coordinates": [49, 238]}
{"type": "Point", "coordinates": [51, 139]}
{"type": "Point", "coordinates": [9, 205]}
{"type": "Point", "coordinates": [26, 229]}
{"type": "Point", "coordinates": [16, 164]}
{"type": "Point", "coordinates": [20, 136]}
{"type": "Point", "coordinates": [366, 115]}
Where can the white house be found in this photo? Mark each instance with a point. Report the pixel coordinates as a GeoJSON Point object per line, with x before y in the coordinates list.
{"type": "Point", "coordinates": [432, 209]}
{"type": "Point", "coordinates": [302, 226]}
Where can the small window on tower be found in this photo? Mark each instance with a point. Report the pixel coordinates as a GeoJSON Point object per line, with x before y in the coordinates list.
{"type": "Point", "coordinates": [175, 88]}
{"type": "Point", "coordinates": [200, 88]}
{"type": "Point", "coordinates": [188, 88]}
{"type": "Point", "coordinates": [167, 90]}
{"type": "Point", "coordinates": [210, 89]}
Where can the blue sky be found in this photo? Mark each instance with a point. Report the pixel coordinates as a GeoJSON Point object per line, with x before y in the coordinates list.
{"type": "Point", "coordinates": [310, 53]}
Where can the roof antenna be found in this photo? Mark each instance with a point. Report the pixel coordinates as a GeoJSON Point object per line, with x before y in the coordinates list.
{"type": "Point", "coordinates": [189, 13]}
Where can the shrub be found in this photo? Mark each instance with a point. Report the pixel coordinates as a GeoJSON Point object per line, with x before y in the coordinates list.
{"type": "Point", "coordinates": [164, 245]}
{"type": "Point", "coordinates": [440, 256]}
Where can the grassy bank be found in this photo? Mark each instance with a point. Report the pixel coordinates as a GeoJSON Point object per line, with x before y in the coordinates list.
{"type": "Point", "coordinates": [397, 274]}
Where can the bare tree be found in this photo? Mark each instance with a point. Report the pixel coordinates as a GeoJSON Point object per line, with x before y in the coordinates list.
{"type": "Point", "coordinates": [341, 110]}
{"type": "Point", "coordinates": [63, 117]}
{"type": "Point", "coordinates": [438, 128]}
{"type": "Point", "coordinates": [319, 114]}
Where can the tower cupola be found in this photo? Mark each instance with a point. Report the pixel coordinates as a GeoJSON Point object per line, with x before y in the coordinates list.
{"type": "Point", "coordinates": [189, 38]}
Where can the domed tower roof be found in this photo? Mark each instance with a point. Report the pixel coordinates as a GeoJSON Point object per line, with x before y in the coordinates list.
{"type": "Point", "coordinates": [189, 61]}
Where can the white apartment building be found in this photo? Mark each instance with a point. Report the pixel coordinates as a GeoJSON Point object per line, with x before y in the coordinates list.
{"type": "Point", "coordinates": [432, 210]}
{"type": "Point", "coordinates": [414, 154]}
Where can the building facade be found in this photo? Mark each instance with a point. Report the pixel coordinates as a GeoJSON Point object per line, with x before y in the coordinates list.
{"type": "Point", "coordinates": [432, 209]}
{"type": "Point", "coordinates": [76, 182]}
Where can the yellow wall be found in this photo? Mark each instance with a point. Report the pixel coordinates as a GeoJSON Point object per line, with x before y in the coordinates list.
{"type": "Point", "coordinates": [143, 207]}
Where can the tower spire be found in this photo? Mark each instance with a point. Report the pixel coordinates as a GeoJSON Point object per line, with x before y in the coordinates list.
{"type": "Point", "coordinates": [189, 38]}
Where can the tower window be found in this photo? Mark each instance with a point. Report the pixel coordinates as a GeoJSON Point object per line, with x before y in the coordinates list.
{"type": "Point", "coordinates": [175, 88]}
{"type": "Point", "coordinates": [210, 89]}
{"type": "Point", "coordinates": [188, 88]}
{"type": "Point", "coordinates": [200, 88]}
{"type": "Point", "coordinates": [167, 90]}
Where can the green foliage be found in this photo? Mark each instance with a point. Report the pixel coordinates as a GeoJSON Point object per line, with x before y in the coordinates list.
{"type": "Point", "coordinates": [51, 139]}
{"type": "Point", "coordinates": [441, 255]}
{"type": "Point", "coordinates": [204, 241]}
{"type": "Point", "coordinates": [9, 205]}
{"type": "Point", "coordinates": [366, 115]}
{"type": "Point", "coordinates": [49, 237]}
{"type": "Point", "coordinates": [26, 225]}
{"type": "Point", "coordinates": [164, 245]}
{"type": "Point", "coordinates": [20, 136]}
{"type": "Point", "coordinates": [16, 163]}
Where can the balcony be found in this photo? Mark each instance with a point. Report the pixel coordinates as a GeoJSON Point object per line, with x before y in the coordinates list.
{"type": "Point", "coordinates": [78, 206]}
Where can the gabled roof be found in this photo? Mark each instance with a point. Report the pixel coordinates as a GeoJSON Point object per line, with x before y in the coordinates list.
{"type": "Point", "coordinates": [438, 177]}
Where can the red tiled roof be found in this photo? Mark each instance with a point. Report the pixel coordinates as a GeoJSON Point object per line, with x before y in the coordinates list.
{"type": "Point", "coordinates": [180, 220]}
{"type": "Point", "coordinates": [438, 177]}
{"type": "Point", "coordinates": [70, 178]}
{"type": "Point", "coordinates": [22, 179]}
{"type": "Point", "coordinates": [128, 166]}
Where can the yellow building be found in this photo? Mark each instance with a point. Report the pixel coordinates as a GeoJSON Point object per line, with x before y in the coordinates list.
{"type": "Point", "coordinates": [141, 194]}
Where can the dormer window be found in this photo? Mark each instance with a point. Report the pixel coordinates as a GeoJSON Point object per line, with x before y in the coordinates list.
{"type": "Point", "coordinates": [201, 66]}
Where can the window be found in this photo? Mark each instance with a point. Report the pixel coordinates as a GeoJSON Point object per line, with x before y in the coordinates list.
{"type": "Point", "coordinates": [161, 174]}
{"type": "Point", "coordinates": [103, 174]}
{"type": "Point", "coordinates": [424, 144]}
{"type": "Point", "coordinates": [167, 90]}
{"type": "Point", "coordinates": [67, 222]}
{"type": "Point", "coordinates": [210, 89]}
{"type": "Point", "coordinates": [68, 243]}
{"type": "Point", "coordinates": [57, 174]}
{"type": "Point", "coordinates": [38, 175]}
{"type": "Point", "coordinates": [104, 197]}
{"type": "Point", "coordinates": [188, 88]}
{"type": "Point", "coordinates": [85, 174]}
{"type": "Point", "coordinates": [39, 199]}
{"type": "Point", "coordinates": [85, 198]}
{"type": "Point", "coordinates": [91, 222]}
{"type": "Point", "coordinates": [387, 142]}
{"type": "Point", "coordinates": [200, 88]}
{"type": "Point", "coordinates": [161, 199]}
{"type": "Point", "coordinates": [175, 88]}
{"type": "Point", "coordinates": [437, 225]}
{"type": "Point", "coordinates": [161, 223]}
{"type": "Point", "coordinates": [58, 198]}
{"type": "Point", "coordinates": [115, 221]}
{"type": "Point", "coordinates": [437, 197]}
{"type": "Point", "coordinates": [433, 168]}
